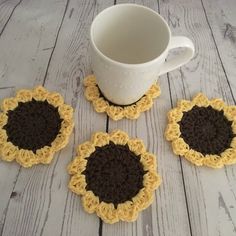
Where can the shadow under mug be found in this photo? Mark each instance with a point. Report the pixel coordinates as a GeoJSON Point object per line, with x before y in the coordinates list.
{"type": "Point", "coordinates": [129, 46]}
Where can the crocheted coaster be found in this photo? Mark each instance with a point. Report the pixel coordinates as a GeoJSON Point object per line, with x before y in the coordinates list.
{"type": "Point", "coordinates": [203, 131]}
{"type": "Point", "coordinates": [118, 112]}
{"type": "Point", "coordinates": [33, 126]}
{"type": "Point", "coordinates": [115, 175]}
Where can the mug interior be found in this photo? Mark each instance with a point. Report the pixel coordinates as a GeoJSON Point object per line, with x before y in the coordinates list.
{"type": "Point", "coordinates": [130, 34]}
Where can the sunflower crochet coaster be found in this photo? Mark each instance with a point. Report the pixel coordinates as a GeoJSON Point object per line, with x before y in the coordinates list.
{"type": "Point", "coordinates": [33, 126]}
{"type": "Point", "coordinates": [203, 131]}
{"type": "Point", "coordinates": [115, 175]}
{"type": "Point", "coordinates": [118, 112]}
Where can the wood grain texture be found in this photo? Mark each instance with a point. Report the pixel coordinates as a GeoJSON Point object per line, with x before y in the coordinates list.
{"type": "Point", "coordinates": [210, 193]}
{"type": "Point", "coordinates": [22, 62]}
{"type": "Point", "coordinates": [7, 8]}
{"type": "Point", "coordinates": [8, 172]}
{"type": "Point", "coordinates": [27, 42]}
{"type": "Point", "coordinates": [168, 214]}
{"type": "Point", "coordinates": [43, 204]}
{"type": "Point", "coordinates": [46, 42]}
{"type": "Point", "coordinates": [221, 18]}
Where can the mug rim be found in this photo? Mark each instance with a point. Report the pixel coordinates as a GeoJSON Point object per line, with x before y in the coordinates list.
{"type": "Point", "coordinates": [122, 63]}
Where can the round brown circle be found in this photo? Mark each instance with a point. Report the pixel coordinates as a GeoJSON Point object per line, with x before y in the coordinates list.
{"type": "Point", "coordinates": [114, 173]}
{"type": "Point", "coordinates": [206, 130]}
{"type": "Point", "coordinates": [33, 125]}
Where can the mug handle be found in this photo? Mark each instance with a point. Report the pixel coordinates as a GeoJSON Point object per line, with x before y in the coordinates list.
{"type": "Point", "coordinates": [183, 58]}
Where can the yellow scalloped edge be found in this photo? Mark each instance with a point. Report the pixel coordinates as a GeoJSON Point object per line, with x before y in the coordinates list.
{"type": "Point", "coordinates": [127, 211]}
{"type": "Point", "coordinates": [173, 133]}
{"type": "Point", "coordinates": [27, 158]}
{"type": "Point", "coordinates": [131, 112]}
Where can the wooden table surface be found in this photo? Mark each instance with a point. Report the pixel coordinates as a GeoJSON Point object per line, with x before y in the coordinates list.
{"type": "Point", "coordinates": [46, 42]}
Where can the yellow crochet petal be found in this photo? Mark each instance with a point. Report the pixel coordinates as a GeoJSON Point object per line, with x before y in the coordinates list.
{"type": "Point", "coordinates": [66, 112]}
{"type": "Point", "coordinates": [184, 105]}
{"type": "Point", "coordinates": [3, 137]}
{"type": "Point", "coordinates": [77, 166]}
{"type": "Point", "coordinates": [55, 99]}
{"type": "Point", "coordinates": [100, 139]}
{"type": "Point", "coordinates": [26, 158]}
{"type": "Point", "coordinates": [77, 184]}
{"type": "Point", "coordinates": [90, 202]}
{"type": "Point", "coordinates": [107, 212]}
{"type": "Point", "coordinates": [143, 199]}
{"type": "Point", "coordinates": [40, 93]}
{"type": "Point", "coordinates": [175, 115]}
{"type": "Point", "coordinates": [8, 151]}
{"type": "Point", "coordinates": [151, 180]}
{"type": "Point", "coordinates": [149, 161]}
{"type": "Point", "coordinates": [119, 137]}
{"type": "Point", "coordinates": [115, 112]}
{"type": "Point", "coordinates": [213, 161]}
{"type": "Point", "coordinates": [67, 127]}
{"type": "Point", "coordinates": [217, 104]}
{"type": "Point", "coordinates": [172, 131]}
{"type": "Point", "coordinates": [195, 157]}
{"type": "Point", "coordinates": [131, 112]}
{"type": "Point", "coordinates": [92, 93]}
{"type": "Point", "coordinates": [137, 146]}
{"type": "Point", "coordinates": [89, 81]}
{"type": "Point", "coordinates": [145, 103]}
{"type": "Point", "coordinates": [100, 105]}
{"type": "Point", "coordinates": [85, 149]}
{"type": "Point", "coordinates": [3, 119]}
{"type": "Point", "coordinates": [24, 95]}
{"type": "Point", "coordinates": [229, 156]}
{"type": "Point", "coordinates": [60, 142]}
{"type": "Point", "coordinates": [9, 104]}
{"type": "Point", "coordinates": [45, 155]}
{"type": "Point", "coordinates": [180, 147]}
{"type": "Point", "coordinates": [230, 113]}
{"type": "Point", "coordinates": [233, 143]}
{"type": "Point", "coordinates": [201, 100]}
{"type": "Point", "coordinates": [154, 91]}
{"type": "Point", "coordinates": [127, 211]}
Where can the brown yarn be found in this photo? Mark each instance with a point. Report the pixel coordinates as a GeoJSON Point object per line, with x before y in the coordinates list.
{"type": "Point", "coordinates": [114, 173]}
{"type": "Point", "coordinates": [206, 130]}
{"type": "Point", "coordinates": [33, 125]}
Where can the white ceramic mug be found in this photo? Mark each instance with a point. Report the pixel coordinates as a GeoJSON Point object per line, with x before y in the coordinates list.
{"type": "Point", "coordinates": [129, 45]}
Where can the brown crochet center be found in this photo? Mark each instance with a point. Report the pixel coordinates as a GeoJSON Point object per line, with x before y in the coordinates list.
{"type": "Point", "coordinates": [114, 173]}
{"type": "Point", "coordinates": [206, 130]}
{"type": "Point", "coordinates": [33, 125]}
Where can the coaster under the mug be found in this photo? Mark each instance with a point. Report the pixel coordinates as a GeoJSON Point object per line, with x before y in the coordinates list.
{"type": "Point", "coordinates": [203, 131]}
{"type": "Point", "coordinates": [114, 111]}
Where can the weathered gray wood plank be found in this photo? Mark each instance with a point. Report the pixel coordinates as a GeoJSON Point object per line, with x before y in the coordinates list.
{"type": "Point", "coordinates": [36, 201]}
{"type": "Point", "coordinates": [7, 7]}
{"type": "Point", "coordinates": [43, 205]}
{"type": "Point", "coordinates": [210, 193]}
{"type": "Point", "coordinates": [222, 21]}
{"type": "Point", "coordinates": [8, 172]}
{"type": "Point", "coordinates": [22, 62]}
{"type": "Point", "coordinates": [168, 214]}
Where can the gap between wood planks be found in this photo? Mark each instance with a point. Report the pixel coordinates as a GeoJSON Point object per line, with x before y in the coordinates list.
{"type": "Point", "coordinates": [171, 99]}
{"type": "Point", "coordinates": [3, 28]}
{"type": "Point", "coordinates": [218, 53]}
{"type": "Point", "coordinates": [66, 7]}
{"type": "Point", "coordinates": [107, 119]}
